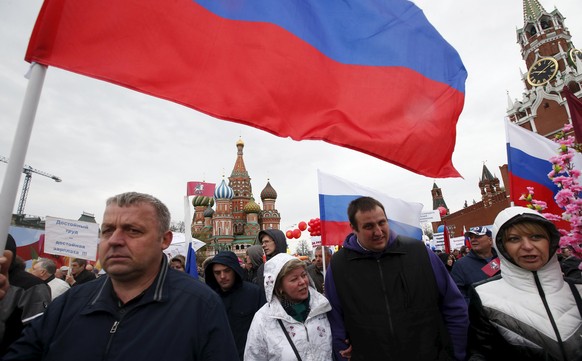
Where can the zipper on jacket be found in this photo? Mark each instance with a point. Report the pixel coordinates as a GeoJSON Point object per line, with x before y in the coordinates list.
{"type": "Point", "coordinates": [404, 284]}
{"type": "Point", "coordinates": [552, 321]}
{"type": "Point", "coordinates": [385, 296]}
{"type": "Point", "coordinates": [114, 327]}
{"type": "Point", "coordinates": [112, 332]}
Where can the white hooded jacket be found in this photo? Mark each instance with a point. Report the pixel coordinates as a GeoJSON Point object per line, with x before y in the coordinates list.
{"type": "Point", "coordinates": [266, 340]}
{"type": "Point", "coordinates": [521, 305]}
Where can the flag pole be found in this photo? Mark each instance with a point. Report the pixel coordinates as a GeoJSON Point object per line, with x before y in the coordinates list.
{"type": "Point", "coordinates": [19, 148]}
{"type": "Point", "coordinates": [511, 186]}
{"type": "Point", "coordinates": [187, 228]}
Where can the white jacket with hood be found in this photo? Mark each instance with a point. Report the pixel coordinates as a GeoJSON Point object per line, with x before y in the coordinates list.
{"type": "Point", "coordinates": [266, 340]}
{"type": "Point", "coordinates": [532, 314]}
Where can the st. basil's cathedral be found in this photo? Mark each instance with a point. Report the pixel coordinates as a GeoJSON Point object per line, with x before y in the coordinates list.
{"type": "Point", "coordinates": [237, 218]}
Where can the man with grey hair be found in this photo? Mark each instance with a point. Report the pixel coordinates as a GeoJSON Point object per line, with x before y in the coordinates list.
{"type": "Point", "coordinates": [315, 270]}
{"type": "Point", "coordinates": [45, 268]}
{"type": "Point", "coordinates": [132, 311]}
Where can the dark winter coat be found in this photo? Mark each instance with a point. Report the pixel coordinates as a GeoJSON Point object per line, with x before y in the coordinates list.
{"type": "Point", "coordinates": [468, 270]}
{"type": "Point", "coordinates": [255, 253]}
{"type": "Point", "coordinates": [398, 304]}
{"type": "Point", "coordinates": [83, 277]}
{"type": "Point", "coordinates": [26, 299]}
{"type": "Point", "coordinates": [176, 318]}
{"type": "Point", "coordinates": [241, 302]}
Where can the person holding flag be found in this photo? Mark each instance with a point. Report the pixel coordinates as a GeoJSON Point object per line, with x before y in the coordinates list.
{"type": "Point", "coordinates": [391, 298]}
{"type": "Point", "coordinates": [479, 264]}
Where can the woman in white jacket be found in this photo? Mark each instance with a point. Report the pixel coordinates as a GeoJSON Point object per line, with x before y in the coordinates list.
{"type": "Point", "coordinates": [529, 312]}
{"type": "Point", "coordinates": [293, 324]}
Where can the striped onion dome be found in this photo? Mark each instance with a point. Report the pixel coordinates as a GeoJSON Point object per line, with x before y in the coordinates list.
{"type": "Point", "coordinates": [252, 207]}
{"type": "Point", "coordinates": [208, 212]}
{"type": "Point", "coordinates": [223, 191]}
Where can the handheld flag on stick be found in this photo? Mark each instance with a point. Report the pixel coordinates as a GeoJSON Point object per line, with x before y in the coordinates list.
{"type": "Point", "coordinates": [302, 69]}
{"type": "Point", "coordinates": [528, 158]}
{"type": "Point", "coordinates": [191, 266]}
{"type": "Point", "coordinates": [335, 194]}
{"type": "Point", "coordinates": [467, 239]}
{"type": "Point", "coordinates": [447, 238]}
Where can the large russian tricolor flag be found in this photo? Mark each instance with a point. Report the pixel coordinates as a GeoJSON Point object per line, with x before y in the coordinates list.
{"type": "Point", "coordinates": [528, 158]}
{"type": "Point", "coordinates": [374, 76]}
{"type": "Point", "coordinates": [335, 194]}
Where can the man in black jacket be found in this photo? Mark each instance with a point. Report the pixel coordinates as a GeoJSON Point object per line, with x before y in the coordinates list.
{"type": "Point", "coordinates": [25, 300]}
{"type": "Point", "coordinates": [241, 299]}
{"type": "Point", "coordinates": [79, 274]}
{"type": "Point", "coordinates": [140, 309]}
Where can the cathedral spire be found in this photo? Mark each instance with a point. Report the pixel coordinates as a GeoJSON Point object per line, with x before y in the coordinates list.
{"type": "Point", "coordinates": [532, 9]}
{"type": "Point", "coordinates": [239, 169]}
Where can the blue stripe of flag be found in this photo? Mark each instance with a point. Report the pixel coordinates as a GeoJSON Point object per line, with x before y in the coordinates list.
{"type": "Point", "coordinates": [374, 33]}
{"type": "Point", "coordinates": [334, 208]}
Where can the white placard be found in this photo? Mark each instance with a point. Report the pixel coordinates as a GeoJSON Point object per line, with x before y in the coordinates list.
{"type": "Point", "coordinates": [430, 216]}
{"type": "Point", "coordinates": [316, 241]}
{"type": "Point", "coordinates": [69, 238]}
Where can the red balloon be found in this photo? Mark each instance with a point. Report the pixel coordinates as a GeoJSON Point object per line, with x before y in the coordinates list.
{"type": "Point", "coordinates": [442, 211]}
{"type": "Point", "coordinates": [296, 233]}
{"type": "Point", "coordinates": [289, 234]}
{"type": "Point", "coordinates": [302, 226]}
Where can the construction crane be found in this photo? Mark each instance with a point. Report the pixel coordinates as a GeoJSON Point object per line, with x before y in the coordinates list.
{"type": "Point", "coordinates": [28, 170]}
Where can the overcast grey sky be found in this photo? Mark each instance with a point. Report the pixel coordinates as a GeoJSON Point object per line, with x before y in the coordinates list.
{"type": "Point", "coordinates": [103, 139]}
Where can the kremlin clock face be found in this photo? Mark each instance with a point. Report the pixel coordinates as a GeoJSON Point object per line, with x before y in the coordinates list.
{"type": "Point", "coordinates": [575, 53]}
{"type": "Point", "coordinates": [542, 71]}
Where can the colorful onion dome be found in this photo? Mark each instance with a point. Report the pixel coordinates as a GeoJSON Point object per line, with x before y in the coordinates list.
{"type": "Point", "coordinates": [252, 207]}
{"type": "Point", "coordinates": [202, 201]}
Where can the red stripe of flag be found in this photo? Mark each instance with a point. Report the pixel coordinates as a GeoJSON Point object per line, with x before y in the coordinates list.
{"type": "Point", "coordinates": [259, 74]}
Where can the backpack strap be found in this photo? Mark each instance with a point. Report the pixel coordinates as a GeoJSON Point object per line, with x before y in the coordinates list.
{"type": "Point", "coordinates": [576, 294]}
{"type": "Point", "coordinates": [291, 341]}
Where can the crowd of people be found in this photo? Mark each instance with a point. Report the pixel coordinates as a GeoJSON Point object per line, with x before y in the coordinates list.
{"type": "Point", "coordinates": [514, 293]}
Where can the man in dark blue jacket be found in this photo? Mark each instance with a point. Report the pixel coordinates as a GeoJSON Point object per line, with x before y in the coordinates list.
{"type": "Point", "coordinates": [391, 298]}
{"type": "Point", "coordinates": [241, 299]}
{"type": "Point", "coordinates": [479, 264]}
{"type": "Point", "coordinates": [141, 309]}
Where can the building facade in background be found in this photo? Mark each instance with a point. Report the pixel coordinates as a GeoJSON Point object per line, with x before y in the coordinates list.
{"type": "Point", "coordinates": [552, 62]}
